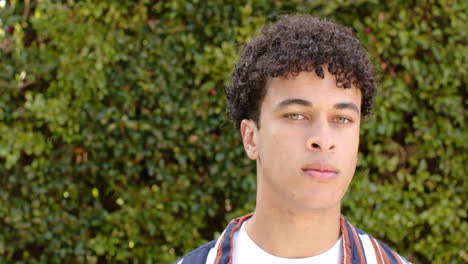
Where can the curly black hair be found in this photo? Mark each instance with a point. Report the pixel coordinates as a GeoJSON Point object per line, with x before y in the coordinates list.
{"type": "Point", "coordinates": [293, 44]}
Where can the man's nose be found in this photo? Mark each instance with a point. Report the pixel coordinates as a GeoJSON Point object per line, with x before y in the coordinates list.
{"type": "Point", "coordinates": [321, 138]}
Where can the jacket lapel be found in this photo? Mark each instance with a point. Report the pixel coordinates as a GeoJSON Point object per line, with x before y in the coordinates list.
{"type": "Point", "coordinates": [224, 250]}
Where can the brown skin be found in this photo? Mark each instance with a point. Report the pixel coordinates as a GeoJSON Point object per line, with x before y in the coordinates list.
{"type": "Point", "coordinates": [297, 215]}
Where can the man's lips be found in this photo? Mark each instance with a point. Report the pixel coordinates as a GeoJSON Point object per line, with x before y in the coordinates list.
{"type": "Point", "coordinates": [321, 171]}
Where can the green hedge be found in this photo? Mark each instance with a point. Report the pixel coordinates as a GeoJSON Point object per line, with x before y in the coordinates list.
{"type": "Point", "coordinates": [115, 146]}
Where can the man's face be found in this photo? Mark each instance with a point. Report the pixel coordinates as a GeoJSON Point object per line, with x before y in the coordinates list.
{"type": "Point", "coordinates": [306, 147]}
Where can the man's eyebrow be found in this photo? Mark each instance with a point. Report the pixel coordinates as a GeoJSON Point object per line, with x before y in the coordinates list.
{"type": "Point", "coordinates": [293, 101]}
{"type": "Point", "coordinates": [350, 106]}
{"type": "Point", "coordinates": [302, 102]}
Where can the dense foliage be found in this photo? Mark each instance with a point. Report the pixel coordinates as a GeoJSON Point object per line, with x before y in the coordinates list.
{"type": "Point", "coordinates": [115, 146]}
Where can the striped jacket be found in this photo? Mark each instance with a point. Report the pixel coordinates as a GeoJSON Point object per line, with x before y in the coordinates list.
{"type": "Point", "coordinates": [358, 247]}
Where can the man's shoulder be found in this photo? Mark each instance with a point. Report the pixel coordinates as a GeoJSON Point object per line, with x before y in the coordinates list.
{"type": "Point", "coordinates": [378, 249]}
{"type": "Point", "coordinates": [197, 256]}
{"type": "Point", "coordinates": [358, 247]}
{"type": "Point", "coordinates": [222, 244]}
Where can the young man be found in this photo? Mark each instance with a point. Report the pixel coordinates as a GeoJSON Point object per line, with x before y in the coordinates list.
{"type": "Point", "coordinates": [298, 95]}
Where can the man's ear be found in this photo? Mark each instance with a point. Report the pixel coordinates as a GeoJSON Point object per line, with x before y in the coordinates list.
{"type": "Point", "coordinates": [249, 138]}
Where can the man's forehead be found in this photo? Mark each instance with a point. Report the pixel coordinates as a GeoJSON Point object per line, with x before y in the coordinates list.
{"type": "Point", "coordinates": [308, 79]}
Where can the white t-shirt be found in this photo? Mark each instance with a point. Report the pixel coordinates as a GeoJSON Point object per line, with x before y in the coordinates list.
{"type": "Point", "coordinates": [246, 251]}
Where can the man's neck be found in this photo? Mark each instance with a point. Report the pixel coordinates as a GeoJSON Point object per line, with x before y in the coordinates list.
{"type": "Point", "coordinates": [292, 233]}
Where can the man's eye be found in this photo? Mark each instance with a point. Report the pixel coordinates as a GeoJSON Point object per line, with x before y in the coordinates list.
{"type": "Point", "coordinates": [295, 116]}
{"type": "Point", "coordinates": [342, 120]}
